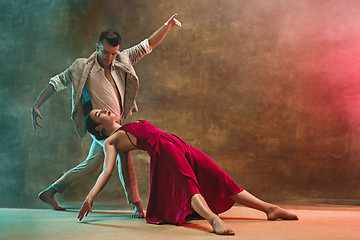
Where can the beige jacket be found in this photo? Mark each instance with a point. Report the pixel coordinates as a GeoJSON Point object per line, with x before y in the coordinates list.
{"type": "Point", "coordinates": [78, 73]}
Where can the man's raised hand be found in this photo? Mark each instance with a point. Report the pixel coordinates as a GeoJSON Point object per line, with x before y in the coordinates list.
{"type": "Point", "coordinates": [172, 22]}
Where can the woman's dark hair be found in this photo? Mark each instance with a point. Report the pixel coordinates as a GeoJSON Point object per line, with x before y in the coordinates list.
{"type": "Point", "coordinates": [90, 126]}
{"type": "Point", "coordinates": [111, 36]}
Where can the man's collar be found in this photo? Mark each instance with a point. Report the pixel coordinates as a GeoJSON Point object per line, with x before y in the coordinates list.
{"type": "Point", "coordinates": [97, 66]}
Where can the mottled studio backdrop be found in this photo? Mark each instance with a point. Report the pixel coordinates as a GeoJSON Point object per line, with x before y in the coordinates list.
{"type": "Point", "coordinates": [269, 88]}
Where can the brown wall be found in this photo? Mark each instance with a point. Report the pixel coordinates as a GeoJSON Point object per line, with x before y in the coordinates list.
{"type": "Point", "coordinates": [268, 88]}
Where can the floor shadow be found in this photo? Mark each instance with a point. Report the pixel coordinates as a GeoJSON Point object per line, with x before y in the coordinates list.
{"type": "Point", "coordinates": [103, 212]}
{"type": "Point", "coordinates": [200, 227]}
{"type": "Point", "coordinates": [94, 223]}
{"type": "Point", "coordinates": [106, 214]}
{"type": "Point", "coordinates": [243, 219]}
{"type": "Point", "coordinates": [195, 216]}
{"type": "Point", "coordinates": [207, 228]}
{"type": "Point", "coordinates": [189, 218]}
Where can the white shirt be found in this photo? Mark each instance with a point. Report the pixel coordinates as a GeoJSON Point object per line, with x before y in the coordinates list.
{"type": "Point", "coordinates": [102, 94]}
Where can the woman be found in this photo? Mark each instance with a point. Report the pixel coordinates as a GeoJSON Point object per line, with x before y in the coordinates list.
{"type": "Point", "coordinates": [182, 178]}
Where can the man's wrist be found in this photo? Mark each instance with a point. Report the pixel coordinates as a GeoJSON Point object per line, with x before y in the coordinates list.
{"type": "Point", "coordinates": [35, 106]}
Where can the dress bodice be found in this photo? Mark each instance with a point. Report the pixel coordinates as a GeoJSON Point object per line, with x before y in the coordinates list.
{"type": "Point", "coordinates": [147, 135]}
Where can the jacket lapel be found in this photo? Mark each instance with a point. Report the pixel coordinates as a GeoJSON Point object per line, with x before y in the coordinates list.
{"type": "Point", "coordinates": [85, 74]}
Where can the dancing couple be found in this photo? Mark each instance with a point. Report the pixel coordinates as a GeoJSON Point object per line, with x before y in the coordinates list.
{"type": "Point", "coordinates": [183, 180]}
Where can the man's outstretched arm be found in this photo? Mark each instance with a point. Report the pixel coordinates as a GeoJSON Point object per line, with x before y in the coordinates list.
{"type": "Point", "coordinates": [159, 35]}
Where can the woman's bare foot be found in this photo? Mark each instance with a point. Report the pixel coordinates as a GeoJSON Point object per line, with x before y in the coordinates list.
{"type": "Point", "coordinates": [220, 227]}
{"type": "Point", "coordinates": [48, 196]}
{"type": "Point", "coordinates": [276, 212]}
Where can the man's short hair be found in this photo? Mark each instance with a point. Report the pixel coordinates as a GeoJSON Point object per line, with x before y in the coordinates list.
{"type": "Point", "coordinates": [111, 36]}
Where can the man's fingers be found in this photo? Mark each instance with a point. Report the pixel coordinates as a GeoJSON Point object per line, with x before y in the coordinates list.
{"type": "Point", "coordinates": [178, 23]}
{"type": "Point", "coordinates": [173, 16]}
{"type": "Point", "coordinates": [35, 115]}
{"type": "Point", "coordinates": [37, 123]}
{"type": "Point", "coordinates": [172, 22]}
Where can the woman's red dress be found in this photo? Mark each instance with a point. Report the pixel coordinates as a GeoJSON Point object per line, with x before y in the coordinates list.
{"type": "Point", "coordinates": [177, 172]}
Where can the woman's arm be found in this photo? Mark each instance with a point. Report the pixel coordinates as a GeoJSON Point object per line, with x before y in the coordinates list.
{"type": "Point", "coordinates": [110, 159]}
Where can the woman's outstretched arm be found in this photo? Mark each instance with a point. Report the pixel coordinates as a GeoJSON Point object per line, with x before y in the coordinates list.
{"type": "Point", "coordinates": [110, 159]}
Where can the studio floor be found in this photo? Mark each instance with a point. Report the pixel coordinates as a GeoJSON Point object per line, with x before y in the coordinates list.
{"type": "Point", "coordinates": [315, 222]}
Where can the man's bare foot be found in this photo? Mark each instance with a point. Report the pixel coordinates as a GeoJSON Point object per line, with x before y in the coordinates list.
{"type": "Point", "coordinates": [138, 210]}
{"type": "Point", "coordinates": [278, 212]}
{"type": "Point", "coordinates": [220, 227]}
{"type": "Point", "coordinates": [48, 196]}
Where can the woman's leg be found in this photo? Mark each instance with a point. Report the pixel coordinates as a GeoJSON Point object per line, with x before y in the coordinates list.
{"type": "Point", "coordinates": [273, 212]}
{"type": "Point", "coordinates": [199, 204]}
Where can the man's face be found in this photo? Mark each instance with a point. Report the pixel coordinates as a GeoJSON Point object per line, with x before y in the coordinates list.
{"type": "Point", "coordinates": [106, 53]}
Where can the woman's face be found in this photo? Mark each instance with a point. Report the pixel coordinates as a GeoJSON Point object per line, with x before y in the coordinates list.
{"type": "Point", "coordinates": [102, 116]}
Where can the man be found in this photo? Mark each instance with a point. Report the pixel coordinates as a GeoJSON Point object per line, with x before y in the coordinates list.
{"type": "Point", "coordinates": [108, 80]}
